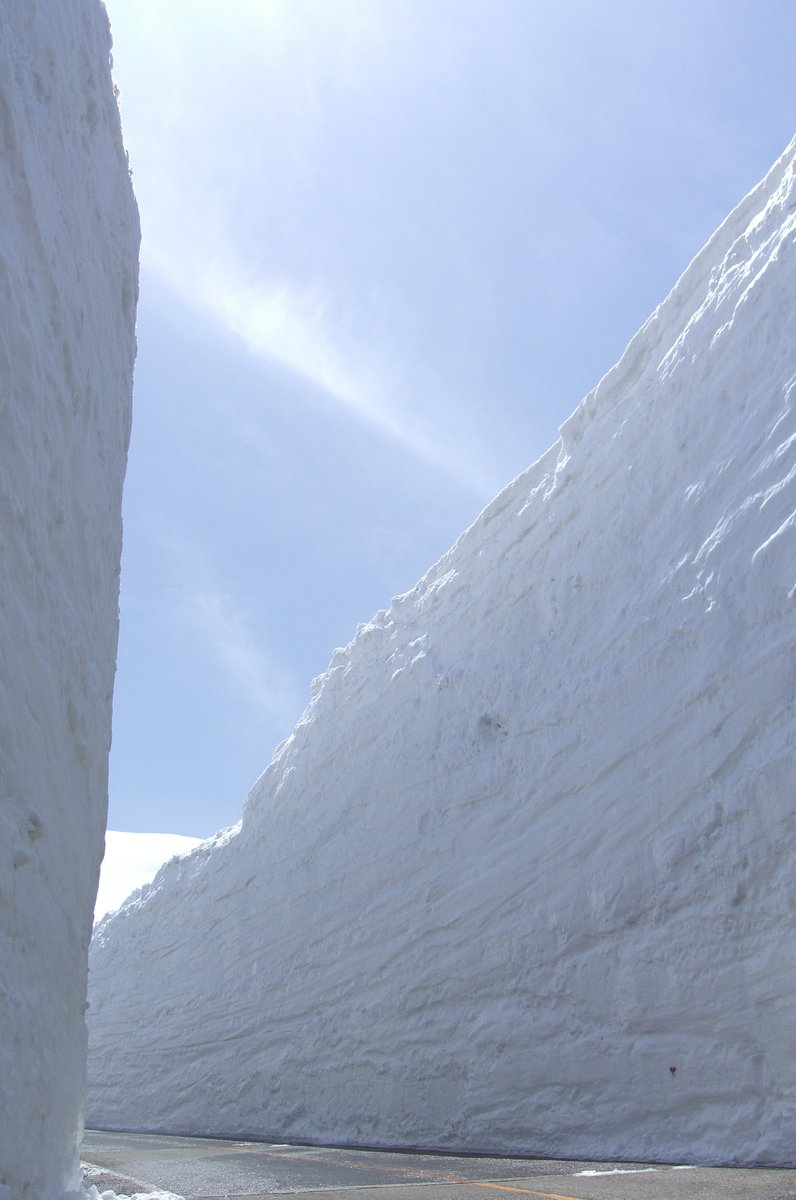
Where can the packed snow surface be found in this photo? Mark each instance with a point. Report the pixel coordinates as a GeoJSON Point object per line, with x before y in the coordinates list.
{"type": "Point", "coordinates": [68, 281]}
{"type": "Point", "coordinates": [521, 879]}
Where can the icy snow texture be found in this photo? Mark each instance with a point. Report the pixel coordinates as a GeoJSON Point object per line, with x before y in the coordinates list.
{"type": "Point", "coordinates": [522, 877]}
{"type": "Point", "coordinates": [68, 280]}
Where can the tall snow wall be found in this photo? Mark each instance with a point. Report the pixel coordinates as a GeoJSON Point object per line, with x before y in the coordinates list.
{"type": "Point", "coordinates": [68, 284]}
{"type": "Point", "coordinates": [521, 880]}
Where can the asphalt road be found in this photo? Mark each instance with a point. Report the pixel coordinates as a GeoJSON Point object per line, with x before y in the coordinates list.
{"type": "Point", "coordinates": [204, 1169]}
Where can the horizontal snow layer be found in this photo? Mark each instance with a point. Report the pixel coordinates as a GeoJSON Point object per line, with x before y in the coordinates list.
{"type": "Point", "coordinates": [521, 879]}
{"type": "Point", "coordinates": [68, 269]}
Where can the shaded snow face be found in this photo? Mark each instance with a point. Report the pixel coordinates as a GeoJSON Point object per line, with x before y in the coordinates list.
{"type": "Point", "coordinates": [521, 879]}
{"type": "Point", "coordinates": [68, 283]}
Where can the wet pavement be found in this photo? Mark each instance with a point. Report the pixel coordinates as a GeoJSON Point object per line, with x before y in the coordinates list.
{"type": "Point", "coordinates": [207, 1169]}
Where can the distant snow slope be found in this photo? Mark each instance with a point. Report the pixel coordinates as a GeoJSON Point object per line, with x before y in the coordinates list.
{"type": "Point", "coordinates": [130, 861]}
{"type": "Point", "coordinates": [522, 877]}
{"type": "Point", "coordinates": [68, 281]}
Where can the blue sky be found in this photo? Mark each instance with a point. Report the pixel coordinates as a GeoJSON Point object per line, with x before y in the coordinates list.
{"type": "Point", "coordinates": [388, 245]}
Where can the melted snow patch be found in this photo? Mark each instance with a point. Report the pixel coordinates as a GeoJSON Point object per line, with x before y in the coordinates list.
{"type": "Point", "coordinates": [621, 1171]}
{"type": "Point", "coordinates": [93, 1194]}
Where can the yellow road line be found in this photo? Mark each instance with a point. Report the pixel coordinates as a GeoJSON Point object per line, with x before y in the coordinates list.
{"type": "Point", "coordinates": [503, 1187]}
{"type": "Point", "coordinates": [419, 1175]}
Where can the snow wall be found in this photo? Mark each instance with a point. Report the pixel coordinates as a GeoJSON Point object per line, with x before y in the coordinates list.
{"type": "Point", "coordinates": [521, 880]}
{"type": "Point", "coordinates": [68, 285]}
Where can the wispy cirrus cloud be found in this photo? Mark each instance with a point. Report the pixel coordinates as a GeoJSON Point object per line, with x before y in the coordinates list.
{"type": "Point", "coordinates": [266, 202]}
{"type": "Point", "coordinates": [226, 632]}
{"type": "Point", "coordinates": [294, 325]}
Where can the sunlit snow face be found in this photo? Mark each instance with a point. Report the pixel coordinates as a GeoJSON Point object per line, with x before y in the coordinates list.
{"type": "Point", "coordinates": [130, 861]}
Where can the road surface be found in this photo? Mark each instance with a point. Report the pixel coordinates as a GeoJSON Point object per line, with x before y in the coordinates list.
{"type": "Point", "coordinates": [204, 1169]}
